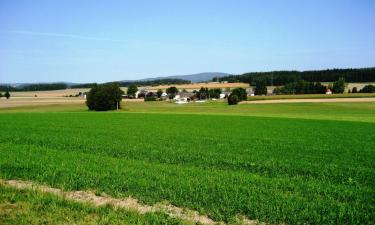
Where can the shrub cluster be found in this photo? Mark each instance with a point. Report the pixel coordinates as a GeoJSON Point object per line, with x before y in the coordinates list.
{"type": "Point", "coordinates": [205, 93]}
{"type": "Point", "coordinates": [150, 96]}
{"type": "Point", "coordinates": [237, 95]}
{"type": "Point", "coordinates": [368, 89]}
{"type": "Point", "coordinates": [339, 86]}
{"type": "Point", "coordinates": [233, 100]}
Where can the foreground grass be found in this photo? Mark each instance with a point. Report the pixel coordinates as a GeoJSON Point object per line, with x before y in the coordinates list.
{"type": "Point", "coordinates": [25, 207]}
{"type": "Point", "coordinates": [276, 170]}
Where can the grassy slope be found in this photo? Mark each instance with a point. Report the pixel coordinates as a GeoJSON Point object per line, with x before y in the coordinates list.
{"type": "Point", "coordinates": [272, 169]}
{"type": "Point", "coordinates": [364, 111]}
{"type": "Point", "coordinates": [323, 111]}
{"type": "Point", "coordinates": [311, 96]}
{"type": "Point", "coordinates": [20, 207]}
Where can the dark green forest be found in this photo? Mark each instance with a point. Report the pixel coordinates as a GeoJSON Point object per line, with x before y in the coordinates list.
{"type": "Point", "coordinates": [284, 77]}
{"type": "Point", "coordinates": [35, 87]}
{"type": "Point", "coordinates": [139, 83]}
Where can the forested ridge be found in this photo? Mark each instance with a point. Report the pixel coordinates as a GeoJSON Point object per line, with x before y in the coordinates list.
{"type": "Point", "coordinates": [284, 77]}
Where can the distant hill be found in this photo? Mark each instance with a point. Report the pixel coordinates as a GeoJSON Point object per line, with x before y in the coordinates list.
{"type": "Point", "coordinates": [194, 78]}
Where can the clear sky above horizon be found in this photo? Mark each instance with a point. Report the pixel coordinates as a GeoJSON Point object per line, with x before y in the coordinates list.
{"type": "Point", "coordinates": [98, 41]}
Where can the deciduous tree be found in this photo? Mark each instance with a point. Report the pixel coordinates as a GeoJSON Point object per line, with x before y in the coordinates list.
{"type": "Point", "coordinates": [104, 97]}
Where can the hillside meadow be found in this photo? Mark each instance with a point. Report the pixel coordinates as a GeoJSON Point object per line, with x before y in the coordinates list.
{"type": "Point", "coordinates": [307, 163]}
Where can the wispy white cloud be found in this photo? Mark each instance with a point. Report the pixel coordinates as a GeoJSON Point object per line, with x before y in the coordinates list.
{"type": "Point", "coordinates": [60, 35]}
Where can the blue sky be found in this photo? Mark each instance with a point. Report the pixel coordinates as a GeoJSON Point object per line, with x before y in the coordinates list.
{"type": "Point", "coordinates": [97, 41]}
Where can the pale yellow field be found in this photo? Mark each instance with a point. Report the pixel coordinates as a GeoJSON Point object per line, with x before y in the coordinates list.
{"type": "Point", "coordinates": [48, 94]}
{"type": "Point", "coordinates": [39, 101]}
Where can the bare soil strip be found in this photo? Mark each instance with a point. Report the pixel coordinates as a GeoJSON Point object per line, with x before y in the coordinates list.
{"type": "Point", "coordinates": [310, 100]}
{"type": "Point", "coordinates": [129, 203]}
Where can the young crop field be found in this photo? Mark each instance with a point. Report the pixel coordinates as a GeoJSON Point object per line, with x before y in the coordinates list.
{"type": "Point", "coordinates": [27, 207]}
{"type": "Point", "coordinates": [275, 170]}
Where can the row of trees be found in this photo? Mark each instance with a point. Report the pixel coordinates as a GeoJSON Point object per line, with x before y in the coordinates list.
{"type": "Point", "coordinates": [205, 93]}
{"type": "Point", "coordinates": [277, 78]}
{"type": "Point", "coordinates": [306, 87]}
{"type": "Point", "coordinates": [35, 87]}
{"type": "Point", "coordinates": [156, 82]}
{"type": "Point", "coordinates": [301, 87]}
{"type": "Point", "coordinates": [202, 93]}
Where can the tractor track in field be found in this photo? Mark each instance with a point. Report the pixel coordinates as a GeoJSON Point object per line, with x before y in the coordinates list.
{"type": "Point", "coordinates": [128, 203]}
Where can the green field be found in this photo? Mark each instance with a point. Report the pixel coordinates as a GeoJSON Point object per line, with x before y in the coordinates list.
{"type": "Point", "coordinates": [30, 207]}
{"type": "Point", "coordinates": [278, 163]}
{"type": "Point", "coordinates": [311, 96]}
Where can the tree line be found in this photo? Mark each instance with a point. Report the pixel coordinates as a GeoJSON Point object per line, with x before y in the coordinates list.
{"type": "Point", "coordinates": [156, 82]}
{"type": "Point", "coordinates": [276, 78]}
{"type": "Point", "coordinates": [62, 86]}
{"type": "Point", "coordinates": [35, 87]}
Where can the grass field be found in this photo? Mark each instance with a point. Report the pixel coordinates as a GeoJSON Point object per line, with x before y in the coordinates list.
{"type": "Point", "coordinates": [361, 111]}
{"type": "Point", "coordinates": [311, 96]}
{"type": "Point", "coordinates": [278, 163]}
{"type": "Point", "coordinates": [24, 207]}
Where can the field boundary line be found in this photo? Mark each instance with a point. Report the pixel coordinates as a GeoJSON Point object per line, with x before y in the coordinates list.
{"type": "Point", "coordinates": [129, 203]}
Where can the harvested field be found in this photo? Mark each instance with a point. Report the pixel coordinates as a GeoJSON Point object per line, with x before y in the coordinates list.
{"type": "Point", "coordinates": [49, 94]}
{"type": "Point", "coordinates": [39, 101]}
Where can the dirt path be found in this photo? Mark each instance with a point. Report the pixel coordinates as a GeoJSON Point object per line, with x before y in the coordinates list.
{"type": "Point", "coordinates": [310, 100]}
{"type": "Point", "coordinates": [129, 203]}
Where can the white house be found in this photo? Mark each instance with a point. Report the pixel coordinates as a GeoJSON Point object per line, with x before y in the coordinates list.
{"type": "Point", "coordinates": [182, 101]}
{"type": "Point", "coordinates": [136, 94]}
{"type": "Point", "coordinates": [177, 97]}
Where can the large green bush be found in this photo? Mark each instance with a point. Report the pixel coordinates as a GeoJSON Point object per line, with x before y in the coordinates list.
{"type": "Point", "coordinates": [132, 89]}
{"type": "Point", "coordinates": [241, 93]}
{"type": "Point", "coordinates": [104, 97]}
{"type": "Point", "coordinates": [339, 86]}
{"type": "Point", "coordinates": [368, 89]}
{"type": "Point", "coordinates": [233, 99]}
